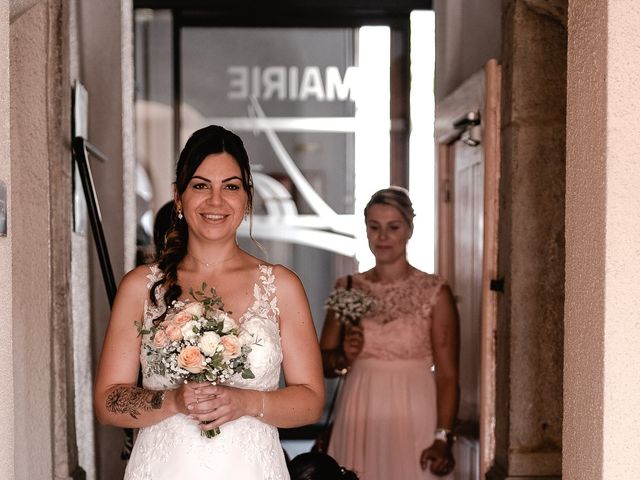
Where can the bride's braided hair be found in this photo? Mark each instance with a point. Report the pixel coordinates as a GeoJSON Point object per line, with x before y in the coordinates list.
{"type": "Point", "coordinates": [202, 143]}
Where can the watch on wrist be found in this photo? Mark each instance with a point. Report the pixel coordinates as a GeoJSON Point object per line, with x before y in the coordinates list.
{"type": "Point", "coordinates": [445, 435]}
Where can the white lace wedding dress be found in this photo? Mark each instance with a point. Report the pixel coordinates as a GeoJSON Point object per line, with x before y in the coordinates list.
{"type": "Point", "coordinates": [246, 448]}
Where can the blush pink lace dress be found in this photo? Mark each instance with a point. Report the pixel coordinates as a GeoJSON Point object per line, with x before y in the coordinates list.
{"type": "Point", "coordinates": [386, 412]}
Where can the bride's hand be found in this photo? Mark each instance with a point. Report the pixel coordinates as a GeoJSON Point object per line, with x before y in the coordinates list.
{"type": "Point", "coordinates": [185, 396]}
{"type": "Point", "coordinates": [216, 405]}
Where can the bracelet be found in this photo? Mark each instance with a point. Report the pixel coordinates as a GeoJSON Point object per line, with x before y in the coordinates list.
{"type": "Point", "coordinates": [334, 363]}
{"type": "Point", "coordinates": [339, 362]}
{"type": "Point", "coordinates": [261, 414]}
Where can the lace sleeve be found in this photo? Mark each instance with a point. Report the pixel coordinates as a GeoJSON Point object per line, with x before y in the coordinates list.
{"type": "Point", "coordinates": [433, 288]}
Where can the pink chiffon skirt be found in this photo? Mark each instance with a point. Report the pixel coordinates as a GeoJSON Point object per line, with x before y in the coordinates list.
{"type": "Point", "coordinates": [385, 417]}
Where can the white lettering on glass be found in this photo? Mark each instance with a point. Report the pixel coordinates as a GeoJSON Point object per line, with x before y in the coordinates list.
{"type": "Point", "coordinates": [311, 84]}
{"type": "Point", "coordinates": [274, 81]}
{"type": "Point", "coordinates": [293, 83]}
{"type": "Point", "coordinates": [238, 83]}
{"type": "Point", "coordinates": [337, 87]}
{"type": "Point", "coordinates": [255, 82]}
{"type": "Point", "coordinates": [282, 83]}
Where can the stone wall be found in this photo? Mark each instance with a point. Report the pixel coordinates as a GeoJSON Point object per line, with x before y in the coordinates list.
{"type": "Point", "coordinates": [531, 241]}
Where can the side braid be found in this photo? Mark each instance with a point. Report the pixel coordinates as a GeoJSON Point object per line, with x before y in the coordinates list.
{"type": "Point", "coordinates": [174, 251]}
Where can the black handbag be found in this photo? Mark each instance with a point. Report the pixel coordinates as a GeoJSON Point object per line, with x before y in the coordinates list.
{"type": "Point", "coordinates": [322, 440]}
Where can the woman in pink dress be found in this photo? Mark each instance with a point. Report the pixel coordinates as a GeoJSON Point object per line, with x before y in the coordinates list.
{"type": "Point", "coordinates": [397, 407]}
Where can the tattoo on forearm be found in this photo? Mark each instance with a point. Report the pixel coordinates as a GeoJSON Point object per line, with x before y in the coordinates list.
{"type": "Point", "coordinates": [133, 400]}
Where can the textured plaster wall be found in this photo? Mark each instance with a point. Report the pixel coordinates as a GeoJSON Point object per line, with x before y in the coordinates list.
{"type": "Point", "coordinates": [6, 248]}
{"type": "Point", "coordinates": [531, 244]}
{"type": "Point", "coordinates": [41, 261]}
{"type": "Point", "coordinates": [31, 295]}
{"type": "Point", "coordinates": [602, 393]}
{"type": "Point", "coordinates": [468, 33]}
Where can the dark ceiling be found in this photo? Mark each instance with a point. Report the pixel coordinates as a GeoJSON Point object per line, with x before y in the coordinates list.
{"type": "Point", "coordinates": [289, 12]}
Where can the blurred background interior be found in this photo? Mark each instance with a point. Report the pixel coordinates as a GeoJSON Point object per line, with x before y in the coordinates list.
{"type": "Point", "coordinates": [507, 120]}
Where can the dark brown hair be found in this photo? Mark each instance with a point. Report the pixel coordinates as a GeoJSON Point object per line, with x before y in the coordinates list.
{"type": "Point", "coordinates": [318, 466]}
{"type": "Point", "coordinates": [207, 141]}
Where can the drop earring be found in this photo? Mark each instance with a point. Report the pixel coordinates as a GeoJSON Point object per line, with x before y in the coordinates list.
{"type": "Point", "coordinates": [180, 213]}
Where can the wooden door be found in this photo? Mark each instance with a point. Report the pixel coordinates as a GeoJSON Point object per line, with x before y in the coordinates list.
{"type": "Point", "coordinates": [468, 174]}
{"type": "Point", "coordinates": [467, 279]}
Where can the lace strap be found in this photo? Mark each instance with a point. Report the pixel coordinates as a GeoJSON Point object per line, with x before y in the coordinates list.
{"type": "Point", "coordinates": [152, 311]}
{"type": "Point", "coordinates": [154, 275]}
{"type": "Point", "coordinates": [265, 292]}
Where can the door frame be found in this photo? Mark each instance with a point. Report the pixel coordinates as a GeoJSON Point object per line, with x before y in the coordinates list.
{"type": "Point", "coordinates": [480, 93]}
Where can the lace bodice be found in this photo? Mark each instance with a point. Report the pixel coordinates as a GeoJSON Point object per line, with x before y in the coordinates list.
{"type": "Point", "coordinates": [246, 447]}
{"type": "Point", "coordinates": [400, 325]}
{"type": "Point", "coordinates": [260, 319]}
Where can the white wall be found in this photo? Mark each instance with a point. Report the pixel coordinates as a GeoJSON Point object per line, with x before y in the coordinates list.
{"type": "Point", "coordinates": [468, 33]}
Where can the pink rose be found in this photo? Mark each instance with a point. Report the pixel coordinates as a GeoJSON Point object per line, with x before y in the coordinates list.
{"type": "Point", "coordinates": [232, 347]}
{"type": "Point", "coordinates": [173, 332]}
{"type": "Point", "coordinates": [182, 317]}
{"type": "Point", "coordinates": [195, 309]}
{"type": "Point", "coordinates": [191, 359]}
{"type": "Point", "coordinates": [160, 339]}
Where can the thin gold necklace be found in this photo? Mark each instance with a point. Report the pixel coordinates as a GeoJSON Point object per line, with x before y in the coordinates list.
{"type": "Point", "coordinates": [211, 264]}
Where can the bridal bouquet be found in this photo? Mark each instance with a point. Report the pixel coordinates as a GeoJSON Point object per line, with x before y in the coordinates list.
{"type": "Point", "coordinates": [199, 341]}
{"type": "Point", "coordinates": [349, 304]}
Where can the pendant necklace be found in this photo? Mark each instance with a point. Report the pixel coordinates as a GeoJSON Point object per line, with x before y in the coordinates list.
{"type": "Point", "coordinates": [211, 264]}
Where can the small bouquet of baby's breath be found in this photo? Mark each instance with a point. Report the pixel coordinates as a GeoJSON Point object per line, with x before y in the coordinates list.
{"type": "Point", "coordinates": [349, 304]}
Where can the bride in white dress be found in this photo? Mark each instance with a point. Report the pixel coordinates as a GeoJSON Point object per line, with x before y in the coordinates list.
{"type": "Point", "coordinates": [213, 192]}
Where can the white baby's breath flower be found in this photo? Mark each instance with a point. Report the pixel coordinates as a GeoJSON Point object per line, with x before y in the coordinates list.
{"type": "Point", "coordinates": [349, 305]}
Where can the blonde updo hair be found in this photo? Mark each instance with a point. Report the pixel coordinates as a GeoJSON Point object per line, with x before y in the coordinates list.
{"type": "Point", "coordinates": [396, 197]}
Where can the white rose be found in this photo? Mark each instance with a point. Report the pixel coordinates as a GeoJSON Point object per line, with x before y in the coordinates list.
{"type": "Point", "coordinates": [209, 342]}
{"type": "Point", "coordinates": [245, 337]}
{"type": "Point", "coordinates": [229, 324]}
{"type": "Point", "coordinates": [187, 330]}
{"type": "Point", "coordinates": [195, 308]}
